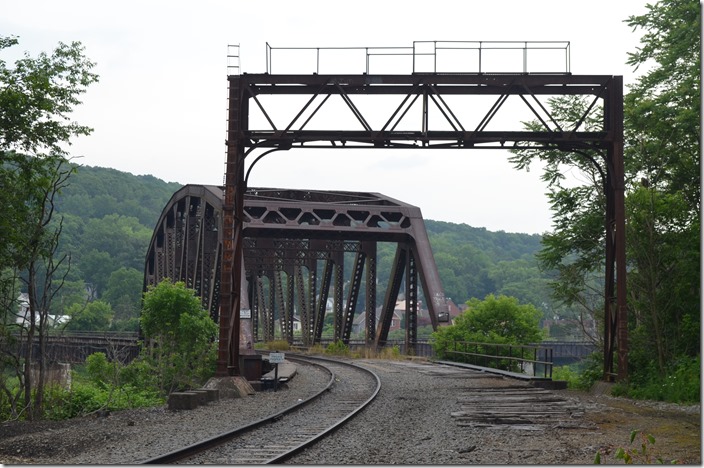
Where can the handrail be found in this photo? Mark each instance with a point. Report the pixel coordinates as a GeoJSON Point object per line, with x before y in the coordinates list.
{"type": "Point", "coordinates": [457, 57]}
{"type": "Point", "coordinates": [495, 360]}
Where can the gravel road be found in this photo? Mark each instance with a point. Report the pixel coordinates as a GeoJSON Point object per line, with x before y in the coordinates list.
{"type": "Point", "coordinates": [424, 414]}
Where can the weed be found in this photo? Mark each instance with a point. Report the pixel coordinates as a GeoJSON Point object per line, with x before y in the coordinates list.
{"type": "Point", "coordinates": [643, 455]}
{"type": "Point", "coordinates": [338, 348]}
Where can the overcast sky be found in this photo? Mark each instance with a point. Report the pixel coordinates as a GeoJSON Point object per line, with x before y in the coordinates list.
{"type": "Point", "coordinates": [160, 105]}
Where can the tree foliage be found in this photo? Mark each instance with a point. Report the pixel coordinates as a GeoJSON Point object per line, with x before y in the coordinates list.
{"type": "Point", "coordinates": [500, 320]}
{"type": "Point", "coordinates": [37, 95]}
{"type": "Point", "coordinates": [662, 153]}
{"type": "Point", "coordinates": [180, 335]}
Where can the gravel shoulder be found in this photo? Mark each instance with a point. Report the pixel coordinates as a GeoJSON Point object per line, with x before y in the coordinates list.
{"type": "Point", "coordinates": [410, 422]}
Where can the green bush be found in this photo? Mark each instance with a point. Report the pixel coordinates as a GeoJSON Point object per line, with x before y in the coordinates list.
{"type": "Point", "coordinates": [567, 374]}
{"type": "Point", "coordinates": [681, 385]}
{"type": "Point", "coordinates": [496, 319]}
{"type": "Point", "coordinates": [99, 369]}
{"type": "Point", "coordinates": [139, 374]}
{"type": "Point", "coordinates": [338, 348]}
{"type": "Point", "coordinates": [86, 398]}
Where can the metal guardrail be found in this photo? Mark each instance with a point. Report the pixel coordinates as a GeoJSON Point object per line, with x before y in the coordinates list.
{"type": "Point", "coordinates": [525, 359]}
{"type": "Point", "coordinates": [233, 59]}
{"type": "Point", "coordinates": [469, 57]}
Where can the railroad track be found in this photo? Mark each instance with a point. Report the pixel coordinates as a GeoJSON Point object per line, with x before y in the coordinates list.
{"type": "Point", "coordinates": [279, 436]}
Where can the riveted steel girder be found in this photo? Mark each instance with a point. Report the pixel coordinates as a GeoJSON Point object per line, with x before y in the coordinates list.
{"type": "Point", "coordinates": [286, 232]}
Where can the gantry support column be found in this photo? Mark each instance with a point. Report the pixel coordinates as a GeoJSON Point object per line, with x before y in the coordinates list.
{"type": "Point", "coordinates": [233, 207]}
{"type": "Point", "coordinates": [616, 311]}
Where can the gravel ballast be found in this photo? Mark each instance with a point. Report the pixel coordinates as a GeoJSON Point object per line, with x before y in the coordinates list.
{"type": "Point", "coordinates": [413, 421]}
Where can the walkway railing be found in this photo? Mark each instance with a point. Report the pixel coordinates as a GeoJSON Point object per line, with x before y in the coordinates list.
{"type": "Point", "coordinates": [445, 57]}
{"type": "Point", "coordinates": [524, 359]}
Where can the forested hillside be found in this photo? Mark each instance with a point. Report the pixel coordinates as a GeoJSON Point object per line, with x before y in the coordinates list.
{"type": "Point", "coordinates": [109, 217]}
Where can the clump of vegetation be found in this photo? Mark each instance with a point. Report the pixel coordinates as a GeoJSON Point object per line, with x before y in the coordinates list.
{"type": "Point", "coordinates": [278, 345]}
{"type": "Point", "coordinates": [179, 336]}
{"type": "Point", "coordinates": [643, 455]}
{"type": "Point", "coordinates": [495, 320]}
{"type": "Point", "coordinates": [338, 348]}
{"type": "Point", "coordinates": [682, 384]}
{"type": "Point", "coordinates": [581, 375]}
{"type": "Point", "coordinates": [99, 385]}
{"type": "Point", "coordinates": [393, 353]}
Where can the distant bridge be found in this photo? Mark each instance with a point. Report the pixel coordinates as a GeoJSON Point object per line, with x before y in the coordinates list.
{"type": "Point", "coordinates": [296, 245]}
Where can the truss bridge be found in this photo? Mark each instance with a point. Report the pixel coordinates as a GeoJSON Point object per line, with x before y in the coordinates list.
{"type": "Point", "coordinates": [296, 245]}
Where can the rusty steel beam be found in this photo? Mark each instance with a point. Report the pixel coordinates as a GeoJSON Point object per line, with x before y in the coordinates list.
{"type": "Point", "coordinates": [411, 300]}
{"type": "Point", "coordinates": [369, 248]}
{"type": "Point", "coordinates": [428, 90]}
{"type": "Point", "coordinates": [387, 311]}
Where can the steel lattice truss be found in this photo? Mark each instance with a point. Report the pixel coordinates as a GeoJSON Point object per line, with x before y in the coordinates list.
{"type": "Point", "coordinates": [428, 110]}
{"type": "Point", "coordinates": [288, 233]}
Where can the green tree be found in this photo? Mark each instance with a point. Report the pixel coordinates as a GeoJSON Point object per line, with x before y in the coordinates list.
{"type": "Point", "coordinates": [662, 153]}
{"type": "Point", "coordinates": [124, 292]}
{"type": "Point", "coordinates": [36, 97]}
{"type": "Point", "coordinates": [180, 335]}
{"type": "Point", "coordinates": [663, 133]}
{"type": "Point", "coordinates": [94, 316]}
{"type": "Point", "coordinates": [662, 109]}
{"type": "Point", "coordinates": [500, 320]}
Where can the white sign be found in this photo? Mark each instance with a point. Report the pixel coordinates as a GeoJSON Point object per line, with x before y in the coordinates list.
{"type": "Point", "coordinates": [276, 358]}
{"type": "Point", "coordinates": [246, 313]}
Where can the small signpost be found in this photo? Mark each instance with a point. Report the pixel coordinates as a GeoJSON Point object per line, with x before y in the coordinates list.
{"type": "Point", "coordinates": [276, 359]}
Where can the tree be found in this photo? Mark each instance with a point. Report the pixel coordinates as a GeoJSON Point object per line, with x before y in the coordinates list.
{"type": "Point", "coordinates": [36, 98]}
{"type": "Point", "coordinates": [573, 254]}
{"type": "Point", "coordinates": [30, 256]}
{"type": "Point", "coordinates": [124, 292]}
{"type": "Point", "coordinates": [663, 133]}
{"type": "Point", "coordinates": [94, 316]}
{"type": "Point", "coordinates": [180, 335]}
{"type": "Point", "coordinates": [499, 320]}
{"type": "Point", "coordinates": [662, 149]}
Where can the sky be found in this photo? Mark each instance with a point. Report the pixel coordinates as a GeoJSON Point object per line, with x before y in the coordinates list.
{"type": "Point", "coordinates": [160, 105]}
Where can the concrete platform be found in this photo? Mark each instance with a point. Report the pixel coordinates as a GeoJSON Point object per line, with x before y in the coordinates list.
{"type": "Point", "coordinates": [286, 371]}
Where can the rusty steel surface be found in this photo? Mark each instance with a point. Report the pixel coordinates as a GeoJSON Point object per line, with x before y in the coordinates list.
{"type": "Point", "coordinates": [286, 235]}
{"type": "Point", "coordinates": [442, 126]}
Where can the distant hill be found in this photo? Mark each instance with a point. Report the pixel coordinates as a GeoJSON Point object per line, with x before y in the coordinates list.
{"type": "Point", "coordinates": [98, 191]}
{"type": "Point", "coordinates": [109, 217]}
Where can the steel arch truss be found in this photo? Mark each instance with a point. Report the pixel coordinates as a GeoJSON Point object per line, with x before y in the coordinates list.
{"type": "Point", "coordinates": [288, 235]}
{"type": "Point", "coordinates": [428, 110]}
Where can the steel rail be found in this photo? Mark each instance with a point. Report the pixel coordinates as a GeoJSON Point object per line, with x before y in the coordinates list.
{"type": "Point", "coordinates": [286, 452]}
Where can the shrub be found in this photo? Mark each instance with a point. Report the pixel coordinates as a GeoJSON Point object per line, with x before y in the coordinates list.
{"type": "Point", "coordinates": [681, 385]}
{"type": "Point", "coordinates": [278, 345]}
{"type": "Point", "coordinates": [498, 320]}
{"type": "Point", "coordinates": [338, 348]}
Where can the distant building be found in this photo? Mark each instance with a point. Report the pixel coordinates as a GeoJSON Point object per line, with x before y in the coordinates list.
{"type": "Point", "coordinates": [23, 316]}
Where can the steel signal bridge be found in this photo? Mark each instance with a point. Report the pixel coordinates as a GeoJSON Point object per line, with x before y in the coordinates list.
{"type": "Point", "coordinates": [450, 95]}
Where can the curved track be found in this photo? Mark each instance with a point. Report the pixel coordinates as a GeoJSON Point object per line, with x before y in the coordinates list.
{"type": "Point", "coordinates": [275, 438]}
